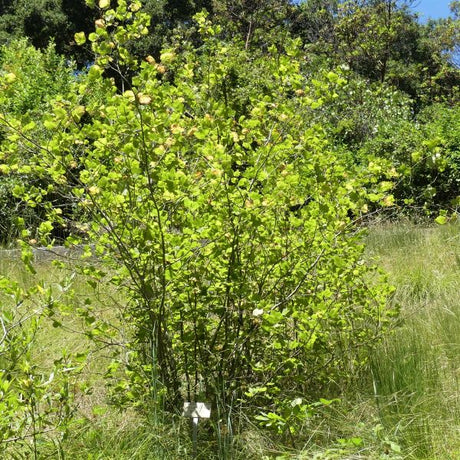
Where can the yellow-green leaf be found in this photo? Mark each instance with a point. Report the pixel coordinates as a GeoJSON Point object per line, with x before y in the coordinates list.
{"type": "Point", "coordinates": [80, 38]}
{"type": "Point", "coordinates": [441, 220]}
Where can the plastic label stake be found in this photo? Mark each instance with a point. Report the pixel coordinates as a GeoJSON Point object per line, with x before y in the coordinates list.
{"type": "Point", "coordinates": [195, 411]}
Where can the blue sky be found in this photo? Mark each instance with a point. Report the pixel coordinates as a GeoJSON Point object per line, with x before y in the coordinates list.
{"type": "Point", "coordinates": [427, 8]}
{"type": "Point", "coordinates": [431, 8]}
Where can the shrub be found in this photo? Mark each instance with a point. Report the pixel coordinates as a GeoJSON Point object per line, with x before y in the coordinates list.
{"type": "Point", "coordinates": [30, 80]}
{"type": "Point", "coordinates": [229, 231]}
{"type": "Point", "coordinates": [425, 152]}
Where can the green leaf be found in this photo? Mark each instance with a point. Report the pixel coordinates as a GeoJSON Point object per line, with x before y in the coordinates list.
{"type": "Point", "coordinates": [80, 38]}
{"type": "Point", "coordinates": [441, 220]}
{"type": "Point", "coordinates": [50, 124]}
{"type": "Point", "coordinates": [45, 228]}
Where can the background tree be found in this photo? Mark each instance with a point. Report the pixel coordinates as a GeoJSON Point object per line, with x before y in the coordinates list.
{"type": "Point", "coordinates": [259, 23]}
{"type": "Point", "coordinates": [383, 41]}
{"type": "Point", "coordinates": [43, 21]}
{"type": "Point", "coordinates": [314, 21]}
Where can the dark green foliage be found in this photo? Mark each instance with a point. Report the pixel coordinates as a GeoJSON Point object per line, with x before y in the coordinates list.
{"type": "Point", "coordinates": [165, 17]}
{"type": "Point", "coordinates": [43, 21]}
{"type": "Point", "coordinates": [258, 24]}
{"type": "Point", "coordinates": [426, 153]}
{"type": "Point", "coordinates": [383, 41]}
{"type": "Point", "coordinates": [314, 21]}
{"type": "Point", "coordinates": [419, 154]}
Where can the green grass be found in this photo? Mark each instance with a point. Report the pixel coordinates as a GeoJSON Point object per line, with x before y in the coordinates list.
{"type": "Point", "coordinates": [416, 371]}
{"type": "Point", "coordinates": [406, 407]}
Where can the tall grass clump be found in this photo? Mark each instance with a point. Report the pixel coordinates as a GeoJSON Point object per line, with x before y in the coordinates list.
{"type": "Point", "coordinates": [416, 370]}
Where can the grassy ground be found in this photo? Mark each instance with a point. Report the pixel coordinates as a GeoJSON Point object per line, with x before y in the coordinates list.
{"type": "Point", "coordinates": [406, 407]}
{"type": "Point", "coordinates": [417, 370]}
